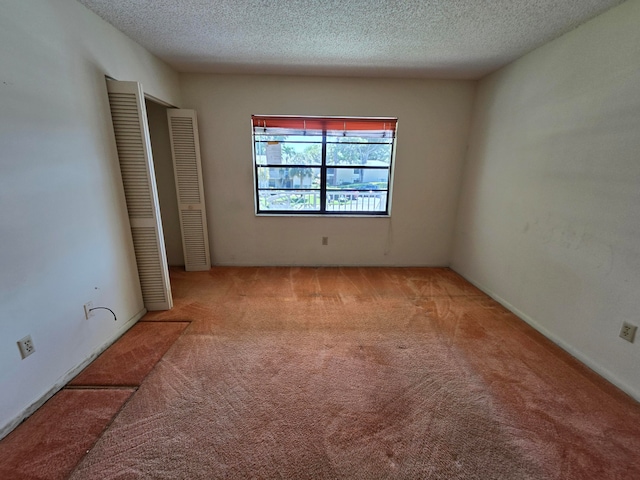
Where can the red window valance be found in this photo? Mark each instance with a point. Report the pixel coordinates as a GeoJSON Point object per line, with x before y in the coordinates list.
{"type": "Point", "coordinates": [337, 124]}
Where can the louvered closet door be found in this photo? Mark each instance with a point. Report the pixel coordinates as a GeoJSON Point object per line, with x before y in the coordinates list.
{"type": "Point", "coordinates": [129, 116]}
{"type": "Point", "coordinates": [187, 168]}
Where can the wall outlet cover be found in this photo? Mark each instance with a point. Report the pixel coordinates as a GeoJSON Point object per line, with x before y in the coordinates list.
{"type": "Point", "coordinates": [26, 346]}
{"type": "Point", "coordinates": [87, 310]}
{"type": "Point", "coordinates": [628, 331]}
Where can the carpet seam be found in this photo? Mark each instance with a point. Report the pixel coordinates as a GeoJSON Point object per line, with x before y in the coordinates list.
{"type": "Point", "coordinates": [114, 387]}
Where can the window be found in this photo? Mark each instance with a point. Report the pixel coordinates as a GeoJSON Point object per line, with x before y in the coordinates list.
{"type": "Point", "coordinates": [323, 165]}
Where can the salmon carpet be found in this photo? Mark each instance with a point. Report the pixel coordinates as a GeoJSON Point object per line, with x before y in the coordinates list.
{"type": "Point", "coordinates": [132, 357]}
{"type": "Point", "coordinates": [332, 373]}
{"type": "Point", "coordinates": [364, 373]}
{"type": "Point", "coordinates": [54, 439]}
{"type": "Point", "coordinates": [50, 443]}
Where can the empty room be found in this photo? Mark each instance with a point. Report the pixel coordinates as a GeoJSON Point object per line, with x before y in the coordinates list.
{"type": "Point", "coordinates": [319, 239]}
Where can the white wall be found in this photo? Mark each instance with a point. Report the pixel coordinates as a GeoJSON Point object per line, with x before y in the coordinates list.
{"type": "Point", "coordinates": [64, 232]}
{"type": "Point", "coordinates": [549, 217]}
{"type": "Point", "coordinates": [433, 119]}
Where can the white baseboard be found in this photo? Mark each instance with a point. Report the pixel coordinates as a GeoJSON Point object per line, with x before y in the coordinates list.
{"type": "Point", "coordinates": [67, 377]}
{"type": "Point", "coordinates": [599, 369]}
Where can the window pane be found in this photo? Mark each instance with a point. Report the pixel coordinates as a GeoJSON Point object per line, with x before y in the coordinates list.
{"type": "Point", "coordinates": [369, 154]}
{"type": "Point", "coordinates": [288, 177]}
{"type": "Point", "coordinates": [358, 178]}
{"type": "Point", "coordinates": [352, 139]}
{"type": "Point", "coordinates": [289, 200]}
{"type": "Point", "coordinates": [290, 150]}
{"type": "Point", "coordinates": [289, 138]}
{"type": "Point", "coordinates": [356, 201]}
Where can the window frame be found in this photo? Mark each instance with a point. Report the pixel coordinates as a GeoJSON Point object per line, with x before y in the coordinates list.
{"type": "Point", "coordinates": [388, 132]}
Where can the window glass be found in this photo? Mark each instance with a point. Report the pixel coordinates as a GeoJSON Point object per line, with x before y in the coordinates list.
{"type": "Point", "coordinates": [323, 165]}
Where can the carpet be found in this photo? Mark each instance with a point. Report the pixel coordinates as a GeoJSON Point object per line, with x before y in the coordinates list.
{"type": "Point", "coordinates": [308, 405]}
{"type": "Point", "coordinates": [132, 357]}
{"type": "Point", "coordinates": [365, 374]}
{"type": "Point", "coordinates": [361, 373]}
{"type": "Point", "coordinates": [49, 444]}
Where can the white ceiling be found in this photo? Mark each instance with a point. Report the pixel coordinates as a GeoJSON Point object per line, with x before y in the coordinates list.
{"type": "Point", "coordinates": [382, 38]}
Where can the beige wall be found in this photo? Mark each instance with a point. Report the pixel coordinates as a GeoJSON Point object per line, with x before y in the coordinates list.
{"type": "Point", "coordinates": [63, 226]}
{"type": "Point", "coordinates": [433, 118]}
{"type": "Point", "coordinates": [549, 218]}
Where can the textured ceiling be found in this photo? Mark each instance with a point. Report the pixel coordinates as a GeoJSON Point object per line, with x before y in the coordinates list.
{"type": "Point", "coordinates": [408, 38]}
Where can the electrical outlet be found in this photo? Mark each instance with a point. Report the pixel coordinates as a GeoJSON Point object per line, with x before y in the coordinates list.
{"type": "Point", "coordinates": [87, 310]}
{"type": "Point", "coordinates": [628, 331]}
{"type": "Point", "coordinates": [325, 240]}
{"type": "Point", "coordinates": [26, 346]}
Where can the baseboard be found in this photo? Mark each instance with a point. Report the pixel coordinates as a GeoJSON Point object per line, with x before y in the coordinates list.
{"type": "Point", "coordinates": [67, 377]}
{"type": "Point", "coordinates": [599, 369]}
{"type": "Point", "coordinates": [329, 265]}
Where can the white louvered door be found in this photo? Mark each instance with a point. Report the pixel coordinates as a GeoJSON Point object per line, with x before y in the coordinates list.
{"type": "Point", "coordinates": [187, 168]}
{"type": "Point", "coordinates": [131, 128]}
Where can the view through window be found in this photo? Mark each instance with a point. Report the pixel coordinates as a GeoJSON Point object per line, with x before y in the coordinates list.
{"type": "Point", "coordinates": [323, 165]}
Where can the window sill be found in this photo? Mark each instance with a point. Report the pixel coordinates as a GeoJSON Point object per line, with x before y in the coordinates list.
{"type": "Point", "coordinates": [322, 215]}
